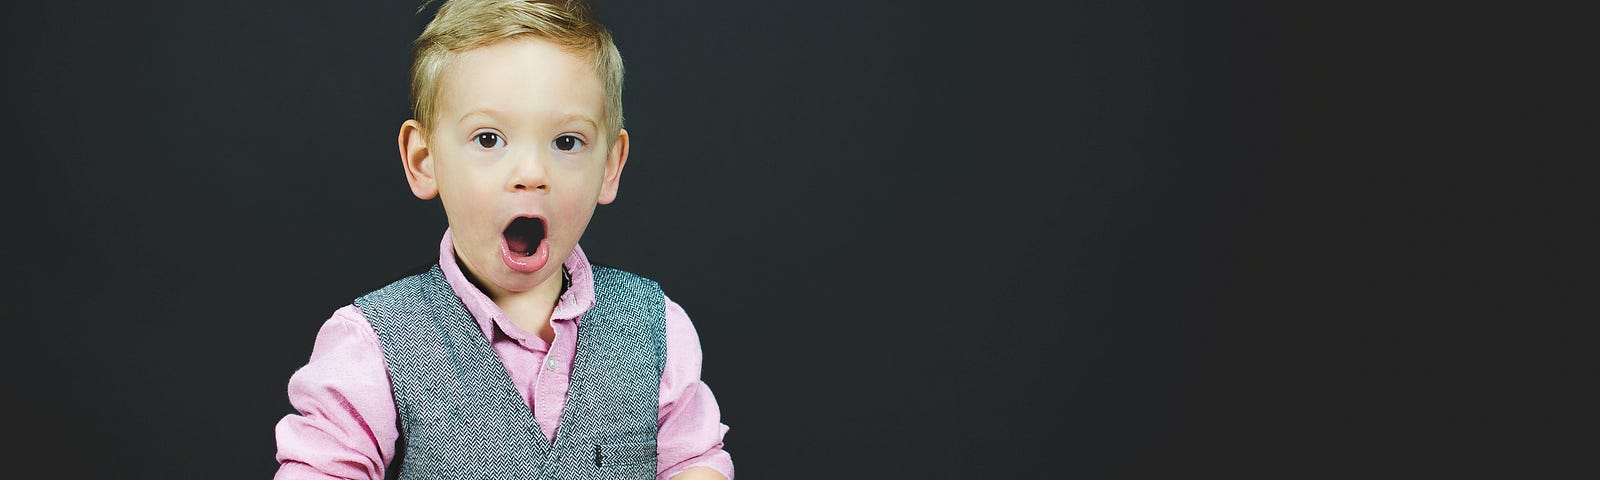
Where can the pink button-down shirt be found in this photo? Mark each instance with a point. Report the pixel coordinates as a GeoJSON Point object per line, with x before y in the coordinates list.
{"type": "Point", "coordinates": [347, 428]}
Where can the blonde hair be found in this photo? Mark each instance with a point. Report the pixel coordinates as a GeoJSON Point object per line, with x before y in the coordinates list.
{"type": "Point", "coordinates": [465, 24]}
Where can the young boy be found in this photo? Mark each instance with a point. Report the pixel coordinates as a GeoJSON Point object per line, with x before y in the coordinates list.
{"type": "Point", "coordinates": [513, 356]}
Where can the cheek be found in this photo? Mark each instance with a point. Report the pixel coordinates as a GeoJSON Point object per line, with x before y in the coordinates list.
{"type": "Point", "coordinates": [468, 203]}
{"type": "Point", "coordinates": [579, 182]}
{"type": "Point", "coordinates": [573, 214]}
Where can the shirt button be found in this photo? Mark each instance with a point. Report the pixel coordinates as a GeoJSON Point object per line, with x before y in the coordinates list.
{"type": "Point", "coordinates": [550, 362]}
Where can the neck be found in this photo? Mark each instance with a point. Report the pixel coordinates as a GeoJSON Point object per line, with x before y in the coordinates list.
{"type": "Point", "coordinates": [529, 310]}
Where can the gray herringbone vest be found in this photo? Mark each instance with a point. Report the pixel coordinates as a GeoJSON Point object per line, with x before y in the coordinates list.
{"type": "Point", "coordinates": [460, 416]}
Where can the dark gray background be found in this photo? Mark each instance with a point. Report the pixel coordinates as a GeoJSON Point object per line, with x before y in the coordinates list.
{"type": "Point", "coordinates": [918, 239]}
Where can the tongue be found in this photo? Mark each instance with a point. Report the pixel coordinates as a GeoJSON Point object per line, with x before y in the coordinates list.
{"type": "Point", "coordinates": [523, 236]}
{"type": "Point", "coordinates": [518, 244]}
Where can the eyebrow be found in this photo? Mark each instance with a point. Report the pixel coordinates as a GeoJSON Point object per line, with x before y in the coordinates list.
{"type": "Point", "coordinates": [496, 114]}
{"type": "Point", "coordinates": [487, 112]}
{"type": "Point", "coordinates": [580, 117]}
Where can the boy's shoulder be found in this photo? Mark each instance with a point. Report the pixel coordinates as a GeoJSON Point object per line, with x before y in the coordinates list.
{"type": "Point", "coordinates": [611, 282]}
{"type": "Point", "coordinates": [598, 269]}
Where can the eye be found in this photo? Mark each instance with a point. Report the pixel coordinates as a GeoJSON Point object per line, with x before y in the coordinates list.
{"type": "Point", "coordinates": [567, 143]}
{"type": "Point", "coordinates": [489, 140]}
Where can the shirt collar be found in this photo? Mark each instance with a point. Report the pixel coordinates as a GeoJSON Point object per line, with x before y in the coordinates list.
{"type": "Point", "coordinates": [570, 306]}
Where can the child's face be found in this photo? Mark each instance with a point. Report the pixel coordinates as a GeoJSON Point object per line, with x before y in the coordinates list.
{"type": "Point", "coordinates": [517, 134]}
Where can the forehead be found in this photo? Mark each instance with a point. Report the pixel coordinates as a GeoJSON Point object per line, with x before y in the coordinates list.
{"type": "Point", "coordinates": [522, 76]}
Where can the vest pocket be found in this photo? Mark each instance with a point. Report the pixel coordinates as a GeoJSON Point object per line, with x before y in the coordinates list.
{"type": "Point", "coordinates": [624, 454]}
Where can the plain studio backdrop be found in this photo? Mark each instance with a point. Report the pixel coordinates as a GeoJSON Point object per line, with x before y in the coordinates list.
{"type": "Point", "coordinates": [917, 239]}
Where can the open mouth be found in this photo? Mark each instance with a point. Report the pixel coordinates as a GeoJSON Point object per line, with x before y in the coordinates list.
{"type": "Point", "coordinates": [523, 235]}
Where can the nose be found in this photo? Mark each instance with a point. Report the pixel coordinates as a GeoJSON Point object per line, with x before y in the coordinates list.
{"type": "Point", "coordinates": [527, 173]}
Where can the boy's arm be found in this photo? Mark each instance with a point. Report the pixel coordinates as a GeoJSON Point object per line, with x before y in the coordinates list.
{"type": "Point", "coordinates": [346, 423]}
{"type": "Point", "coordinates": [689, 438]}
{"type": "Point", "coordinates": [698, 473]}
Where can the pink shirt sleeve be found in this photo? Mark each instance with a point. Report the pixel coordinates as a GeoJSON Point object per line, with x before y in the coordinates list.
{"type": "Point", "coordinates": [346, 424]}
{"type": "Point", "coordinates": [690, 422]}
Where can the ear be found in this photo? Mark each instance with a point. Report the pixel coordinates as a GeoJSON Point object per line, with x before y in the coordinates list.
{"type": "Point", "coordinates": [418, 163]}
{"type": "Point", "coordinates": [615, 160]}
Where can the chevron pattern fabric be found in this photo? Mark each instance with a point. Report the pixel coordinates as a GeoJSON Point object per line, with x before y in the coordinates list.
{"type": "Point", "coordinates": [461, 417]}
